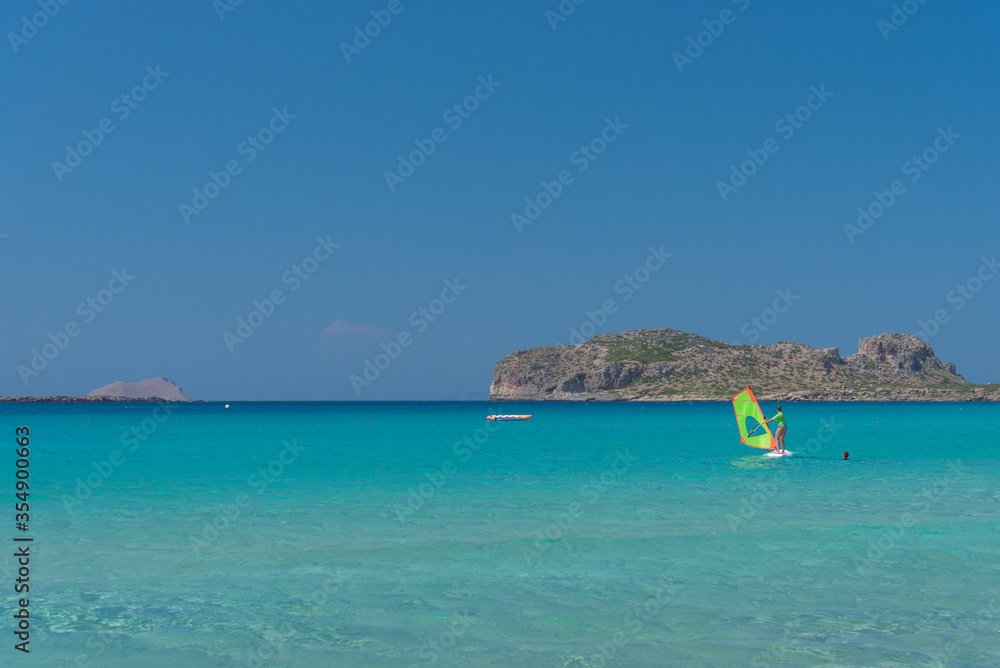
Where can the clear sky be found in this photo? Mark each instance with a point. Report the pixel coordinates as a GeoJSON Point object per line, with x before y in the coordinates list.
{"type": "Point", "coordinates": [203, 151]}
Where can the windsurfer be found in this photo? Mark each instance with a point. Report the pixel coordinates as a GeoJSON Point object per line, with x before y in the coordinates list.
{"type": "Point", "coordinates": [779, 434]}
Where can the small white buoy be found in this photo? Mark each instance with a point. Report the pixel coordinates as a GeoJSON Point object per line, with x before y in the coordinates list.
{"type": "Point", "coordinates": [227, 405]}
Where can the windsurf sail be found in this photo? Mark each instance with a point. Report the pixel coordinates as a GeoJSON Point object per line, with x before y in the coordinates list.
{"type": "Point", "coordinates": [750, 420]}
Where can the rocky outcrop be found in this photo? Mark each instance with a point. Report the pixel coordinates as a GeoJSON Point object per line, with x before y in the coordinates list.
{"type": "Point", "coordinates": [667, 365]}
{"type": "Point", "coordinates": [612, 376]}
{"type": "Point", "coordinates": [896, 354]}
{"type": "Point", "coordinates": [155, 388]}
{"type": "Point", "coordinates": [574, 383]}
{"type": "Point", "coordinates": [828, 358]}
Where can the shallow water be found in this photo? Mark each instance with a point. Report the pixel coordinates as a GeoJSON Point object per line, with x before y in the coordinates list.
{"type": "Point", "coordinates": [398, 534]}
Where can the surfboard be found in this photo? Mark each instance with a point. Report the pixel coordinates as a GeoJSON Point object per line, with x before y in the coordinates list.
{"type": "Point", "coordinates": [775, 453]}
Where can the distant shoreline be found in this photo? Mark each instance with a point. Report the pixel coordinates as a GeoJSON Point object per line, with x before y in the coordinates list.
{"type": "Point", "coordinates": [706, 400]}
{"type": "Point", "coordinates": [62, 399]}
{"type": "Point", "coordinates": [976, 399]}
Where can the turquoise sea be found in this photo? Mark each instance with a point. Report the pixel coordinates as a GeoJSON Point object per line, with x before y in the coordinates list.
{"type": "Point", "coordinates": [419, 534]}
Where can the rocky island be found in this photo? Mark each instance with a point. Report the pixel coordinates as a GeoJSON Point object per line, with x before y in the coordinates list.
{"type": "Point", "coordinates": [668, 365]}
{"type": "Point", "coordinates": [151, 389]}
{"type": "Point", "coordinates": [160, 388]}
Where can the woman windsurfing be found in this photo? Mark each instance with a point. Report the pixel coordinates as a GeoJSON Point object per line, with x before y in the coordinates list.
{"type": "Point", "coordinates": [779, 434]}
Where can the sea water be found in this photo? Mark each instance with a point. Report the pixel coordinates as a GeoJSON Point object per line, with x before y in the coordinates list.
{"type": "Point", "coordinates": [402, 534]}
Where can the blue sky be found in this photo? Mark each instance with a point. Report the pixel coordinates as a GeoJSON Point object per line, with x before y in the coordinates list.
{"type": "Point", "coordinates": [640, 137]}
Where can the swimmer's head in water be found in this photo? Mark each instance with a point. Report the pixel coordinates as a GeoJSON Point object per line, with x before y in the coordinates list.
{"type": "Point", "coordinates": [846, 455]}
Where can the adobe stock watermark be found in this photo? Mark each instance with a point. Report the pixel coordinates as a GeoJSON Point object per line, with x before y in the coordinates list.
{"type": "Point", "coordinates": [97, 643]}
{"type": "Point", "coordinates": [786, 126]}
{"type": "Point", "coordinates": [634, 621]}
{"type": "Point", "coordinates": [420, 320]}
{"type": "Point", "coordinates": [104, 469]}
{"type": "Point", "coordinates": [890, 536]}
{"type": "Point", "coordinates": [30, 25]}
{"type": "Point", "coordinates": [88, 310]}
{"type": "Point", "coordinates": [454, 116]}
{"type": "Point", "coordinates": [960, 295]}
{"type": "Point", "coordinates": [697, 43]}
{"type": "Point", "coordinates": [463, 450]}
{"type": "Point", "coordinates": [582, 158]}
{"type": "Point", "coordinates": [952, 650]}
{"type": "Point", "coordinates": [122, 107]}
{"type": "Point", "coordinates": [363, 36]}
{"type": "Point", "coordinates": [760, 323]}
{"type": "Point", "coordinates": [223, 7]}
{"type": "Point", "coordinates": [628, 285]}
{"type": "Point", "coordinates": [230, 512]}
{"type": "Point", "coordinates": [432, 649]}
{"type": "Point", "coordinates": [915, 167]}
{"type": "Point", "coordinates": [562, 12]}
{"type": "Point", "coordinates": [755, 502]}
{"type": "Point", "coordinates": [778, 652]}
{"type": "Point", "coordinates": [262, 310]}
{"type": "Point", "coordinates": [249, 149]}
{"type": "Point", "coordinates": [901, 13]}
{"type": "Point", "coordinates": [275, 639]}
{"type": "Point", "coordinates": [562, 522]}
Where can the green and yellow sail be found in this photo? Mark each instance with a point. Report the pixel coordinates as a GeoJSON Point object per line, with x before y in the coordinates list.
{"type": "Point", "coordinates": [748, 417]}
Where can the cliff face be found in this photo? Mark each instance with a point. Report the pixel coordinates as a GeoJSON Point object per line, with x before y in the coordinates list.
{"type": "Point", "coordinates": [901, 355]}
{"type": "Point", "coordinates": [667, 365]}
{"type": "Point", "coordinates": [159, 388]}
